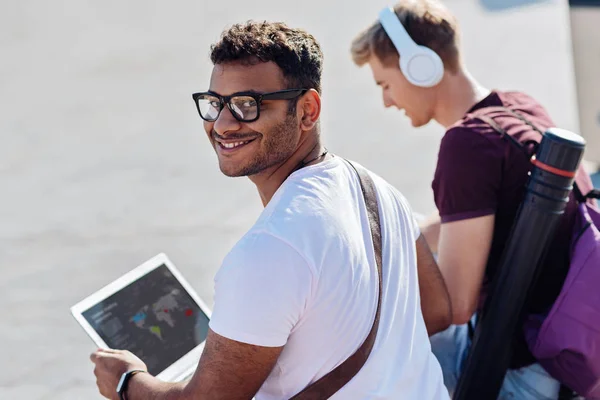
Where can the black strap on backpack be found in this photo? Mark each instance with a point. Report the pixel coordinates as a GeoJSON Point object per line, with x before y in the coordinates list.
{"type": "Point", "coordinates": [592, 194]}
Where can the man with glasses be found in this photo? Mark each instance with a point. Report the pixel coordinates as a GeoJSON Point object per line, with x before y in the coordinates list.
{"type": "Point", "coordinates": [297, 295]}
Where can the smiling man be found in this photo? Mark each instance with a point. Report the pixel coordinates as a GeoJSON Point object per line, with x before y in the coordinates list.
{"type": "Point", "coordinates": [297, 295]}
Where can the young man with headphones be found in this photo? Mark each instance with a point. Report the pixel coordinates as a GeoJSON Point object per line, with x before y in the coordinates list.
{"type": "Point", "coordinates": [414, 54]}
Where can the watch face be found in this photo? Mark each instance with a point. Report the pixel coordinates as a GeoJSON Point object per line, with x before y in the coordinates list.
{"type": "Point", "coordinates": [121, 381]}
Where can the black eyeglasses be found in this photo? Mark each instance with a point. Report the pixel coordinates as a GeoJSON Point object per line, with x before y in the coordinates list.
{"type": "Point", "coordinates": [245, 106]}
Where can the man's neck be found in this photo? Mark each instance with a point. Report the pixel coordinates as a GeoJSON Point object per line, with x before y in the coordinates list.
{"type": "Point", "coordinates": [457, 94]}
{"type": "Point", "coordinates": [268, 181]}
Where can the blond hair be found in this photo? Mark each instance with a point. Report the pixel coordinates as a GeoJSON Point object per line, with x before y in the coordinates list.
{"type": "Point", "coordinates": [428, 22]}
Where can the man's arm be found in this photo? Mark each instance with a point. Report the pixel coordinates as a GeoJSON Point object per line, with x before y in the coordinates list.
{"type": "Point", "coordinates": [435, 301]}
{"type": "Point", "coordinates": [232, 370]}
{"type": "Point", "coordinates": [464, 248]}
{"type": "Point", "coordinates": [260, 294]}
{"type": "Point", "coordinates": [430, 228]}
{"type": "Point", "coordinates": [227, 370]}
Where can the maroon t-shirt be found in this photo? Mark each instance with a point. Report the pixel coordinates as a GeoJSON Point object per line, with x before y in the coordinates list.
{"type": "Point", "coordinates": [480, 173]}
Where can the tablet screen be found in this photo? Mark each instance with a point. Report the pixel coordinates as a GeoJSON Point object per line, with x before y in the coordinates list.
{"type": "Point", "coordinates": [154, 318]}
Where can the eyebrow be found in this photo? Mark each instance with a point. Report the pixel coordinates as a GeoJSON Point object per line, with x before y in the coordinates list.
{"type": "Point", "coordinates": [379, 83]}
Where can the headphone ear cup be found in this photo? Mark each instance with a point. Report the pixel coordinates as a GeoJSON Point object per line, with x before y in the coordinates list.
{"type": "Point", "coordinates": [423, 68]}
{"type": "Point", "coordinates": [404, 63]}
{"type": "Point", "coordinates": [420, 65]}
{"type": "Point", "coordinates": [438, 66]}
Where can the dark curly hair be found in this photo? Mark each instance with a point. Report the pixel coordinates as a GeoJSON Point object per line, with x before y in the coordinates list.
{"type": "Point", "coordinates": [295, 51]}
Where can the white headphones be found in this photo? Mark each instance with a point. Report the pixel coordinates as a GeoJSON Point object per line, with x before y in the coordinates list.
{"type": "Point", "coordinates": [420, 65]}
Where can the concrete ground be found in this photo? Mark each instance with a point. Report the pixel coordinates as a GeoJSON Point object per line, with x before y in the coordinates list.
{"type": "Point", "coordinates": [104, 162]}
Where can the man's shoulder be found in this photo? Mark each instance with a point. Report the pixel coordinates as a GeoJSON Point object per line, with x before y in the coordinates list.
{"type": "Point", "coordinates": [260, 246]}
{"type": "Point", "coordinates": [298, 216]}
{"type": "Point", "coordinates": [467, 147]}
{"type": "Point", "coordinates": [467, 136]}
{"type": "Point", "coordinates": [471, 132]}
{"type": "Point", "coordinates": [520, 102]}
{"type": "Point", "coordinates": [308, 210]}
{"type": "Point", "coordinates": [313, 204]}
{"type": "Point", "coordinates": [309, 194]}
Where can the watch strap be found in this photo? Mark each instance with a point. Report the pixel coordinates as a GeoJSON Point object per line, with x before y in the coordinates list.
{"type": "Point", "coordinates": [129, 374]}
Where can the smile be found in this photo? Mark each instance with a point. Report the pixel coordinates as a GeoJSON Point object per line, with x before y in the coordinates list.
{"type": "Point", "coordinates": [234, 145]}
{"type": "Point", "coordinates": [230, 146]}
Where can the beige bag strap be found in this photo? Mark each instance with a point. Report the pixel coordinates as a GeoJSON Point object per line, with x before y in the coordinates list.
{"type": "Point", "coordinates": [333, 381]}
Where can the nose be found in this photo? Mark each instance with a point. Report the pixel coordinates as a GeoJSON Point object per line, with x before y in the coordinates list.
{"type": "Point", "coordinates": [387, 101]}
{"type": "Point", "coordinates": [226, 122]}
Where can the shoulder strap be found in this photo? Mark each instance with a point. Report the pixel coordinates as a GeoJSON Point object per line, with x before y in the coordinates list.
{"type": "Point", "coordinates": [484, 115]}
{"type": "Point", "coordinates": [489, 110]}
{"type": "Point", "coordinates": [333, 381]}
{"type": "Point", "coordinates": [488, 120]}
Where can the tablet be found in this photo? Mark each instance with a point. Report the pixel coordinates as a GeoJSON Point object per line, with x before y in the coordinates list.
{"type": "Point", "coordinates": [152, 312]}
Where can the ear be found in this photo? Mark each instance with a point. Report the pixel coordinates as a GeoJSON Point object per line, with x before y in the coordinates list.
{"type": "Point", "coordinates": [308, 109]}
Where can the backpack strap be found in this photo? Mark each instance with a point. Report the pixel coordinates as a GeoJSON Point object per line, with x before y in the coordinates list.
{"type": "Point", "coordinates": [488, 120]}
{"type": "Point", "coordinates": [484, 115]}
{"type": "Point", "coordinates": [334, 380]}
{"type": "Point", "coordinates": [582, 198]}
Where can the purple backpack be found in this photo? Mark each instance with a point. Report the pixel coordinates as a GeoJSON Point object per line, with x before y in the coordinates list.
{"type": "Point", "coordinates": [566, 341]}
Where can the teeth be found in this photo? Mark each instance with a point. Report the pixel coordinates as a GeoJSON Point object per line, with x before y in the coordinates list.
{"type": "Point", "coordinates": [233, 145]}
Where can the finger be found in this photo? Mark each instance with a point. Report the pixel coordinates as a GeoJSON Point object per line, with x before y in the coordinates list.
{"type": "Point", "coordinates": [95, 356]}
{"type": "Point", "coordinates": [110, 351]}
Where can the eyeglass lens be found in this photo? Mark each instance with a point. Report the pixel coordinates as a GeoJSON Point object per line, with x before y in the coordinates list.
{"type": "Point", "coordinates": [244, 107]}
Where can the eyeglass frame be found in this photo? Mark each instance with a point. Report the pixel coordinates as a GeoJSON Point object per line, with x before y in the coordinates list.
{"type": "Point", "coordinates": [285, 94]}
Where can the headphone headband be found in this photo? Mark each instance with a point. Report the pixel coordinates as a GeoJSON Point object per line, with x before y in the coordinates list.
{"type": "Point", "coordinates": [396, 32]}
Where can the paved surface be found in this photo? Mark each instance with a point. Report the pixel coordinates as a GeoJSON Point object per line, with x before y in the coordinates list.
{"type": "Point", "coordinates": [104, 162]}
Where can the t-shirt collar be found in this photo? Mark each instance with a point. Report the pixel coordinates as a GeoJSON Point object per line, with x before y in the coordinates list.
{"type": "Point", "coordinates": [491, 100]}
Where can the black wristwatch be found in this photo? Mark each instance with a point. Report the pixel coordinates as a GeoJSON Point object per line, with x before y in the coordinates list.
{"type": "Point", "coordinates": [122, 386]}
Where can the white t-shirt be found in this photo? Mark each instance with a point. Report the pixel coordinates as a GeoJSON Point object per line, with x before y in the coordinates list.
{"type": "Point", "coordinates": [305, 277]}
